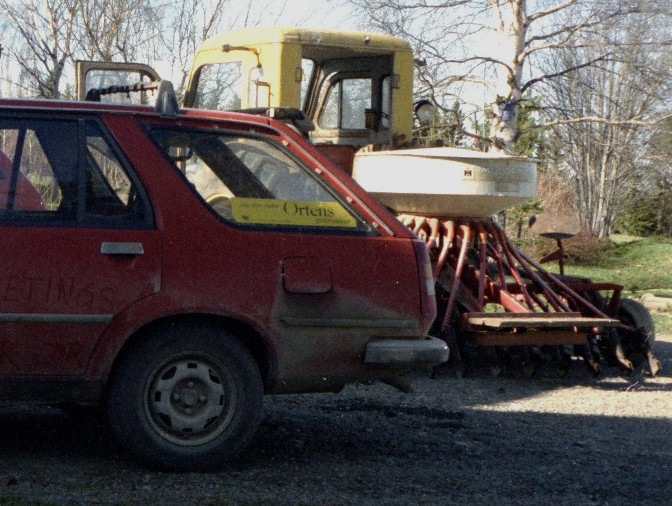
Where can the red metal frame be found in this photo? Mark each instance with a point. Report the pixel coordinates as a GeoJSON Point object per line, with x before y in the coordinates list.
{"type": "Point", "coordinates": [481, 259]}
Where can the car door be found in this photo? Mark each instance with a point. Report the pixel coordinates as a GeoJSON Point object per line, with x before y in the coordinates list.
{"type": "Point", "coordinates": [293, 254]}
{"type": "Point", "coordinates": [77, 238]}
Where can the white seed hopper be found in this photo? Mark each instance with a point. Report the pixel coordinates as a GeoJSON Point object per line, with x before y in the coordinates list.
{"type": "Point", "coordinates": [446, 182]}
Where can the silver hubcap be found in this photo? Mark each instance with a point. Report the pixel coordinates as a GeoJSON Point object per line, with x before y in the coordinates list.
{"type": "Point", "coordinates": [189, 400]}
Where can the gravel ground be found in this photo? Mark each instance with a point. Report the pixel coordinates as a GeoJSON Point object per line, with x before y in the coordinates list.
{"type": "Point", "coordinates": [478, 440]}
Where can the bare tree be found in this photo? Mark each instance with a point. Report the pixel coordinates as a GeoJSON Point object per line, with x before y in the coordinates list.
{"type": "Point", "coordinates": [596, 69]}
{"type": "Point", "coordinates": [660, 157]}
{"type": "Point", "coordinates": [495, 44]}
{"type": "Point", "coordinates": [192, 21]}
{"type": "Point", "coordinates": [603, 114]}
{"type": "Point", "coordinates": [47, 35]}
{"type": "Point", "coordinates": [117, 30]}
{"type": "Point", "coordinates": [41, 41]}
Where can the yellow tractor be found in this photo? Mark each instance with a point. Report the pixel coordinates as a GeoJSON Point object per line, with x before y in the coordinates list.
{"type": "Point", "coordinates": [354, 88]}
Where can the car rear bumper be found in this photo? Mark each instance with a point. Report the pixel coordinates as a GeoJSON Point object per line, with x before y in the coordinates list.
{"type": "Point", "coordinates": [407, 352]}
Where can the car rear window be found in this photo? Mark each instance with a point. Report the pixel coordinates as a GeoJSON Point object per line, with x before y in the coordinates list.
{"type": "Point", "coordinates": [253, 181]}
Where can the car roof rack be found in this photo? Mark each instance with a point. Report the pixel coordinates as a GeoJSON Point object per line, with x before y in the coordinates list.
{"type": "Point", "coordinates": [166, 101]}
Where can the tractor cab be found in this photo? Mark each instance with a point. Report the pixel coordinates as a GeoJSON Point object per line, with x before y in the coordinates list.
{"type": "Point", "coordinates": [355, 88]}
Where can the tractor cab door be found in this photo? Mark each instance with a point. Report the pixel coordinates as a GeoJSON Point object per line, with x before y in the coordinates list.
{"type": "Point", "coordinates": [101, 82]}
{"type": "Point", "coordinates": [352, 103]}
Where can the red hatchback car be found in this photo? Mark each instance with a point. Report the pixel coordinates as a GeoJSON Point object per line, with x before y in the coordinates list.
{"type": "Point", "coordinates": [177, 265]}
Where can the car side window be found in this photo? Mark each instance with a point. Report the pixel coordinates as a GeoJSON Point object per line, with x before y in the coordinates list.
{"type": "Point", "coordinates": [110, 191]}
{"type": "Point", "coordinates": [252, 180]}
{"type": "Point", "coordinates": [64, 172]}
{"type": "Point", "coordinates": [40, 170]}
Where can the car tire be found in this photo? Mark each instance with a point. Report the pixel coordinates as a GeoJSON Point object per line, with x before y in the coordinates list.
{"type": "Point", "coordinates": [187, 398]}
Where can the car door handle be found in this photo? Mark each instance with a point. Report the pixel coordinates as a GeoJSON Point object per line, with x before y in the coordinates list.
{"type": "Point", "coordinates": [122, 248]}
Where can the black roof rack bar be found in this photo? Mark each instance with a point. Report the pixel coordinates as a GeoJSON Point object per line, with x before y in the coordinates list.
{"type": "Point", "coordinates": [94, 94]}
{"type": "Point", "coordinates": [166, 102]}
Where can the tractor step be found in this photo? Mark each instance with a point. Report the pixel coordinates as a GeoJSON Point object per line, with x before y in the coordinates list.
{"type": "Point", "coordinates": [530, 338]}
{"type": "Point", "coordinates": [533, 329]}
{"type": "Point", "coordinates": [560, 321]}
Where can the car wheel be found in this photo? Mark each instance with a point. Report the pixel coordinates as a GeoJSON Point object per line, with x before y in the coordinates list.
{"type": "Point", "coordinates": [187, 398]}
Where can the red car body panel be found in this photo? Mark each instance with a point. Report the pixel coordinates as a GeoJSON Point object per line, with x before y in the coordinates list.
{"type": "Point", "coordinates": [311, 301]}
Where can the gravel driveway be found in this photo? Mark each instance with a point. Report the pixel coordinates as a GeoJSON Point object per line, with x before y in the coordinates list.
{"type": "Point", "coordinates": [478, 440]}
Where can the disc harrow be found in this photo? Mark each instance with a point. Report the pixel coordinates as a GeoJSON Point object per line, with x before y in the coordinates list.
{"type": "Point", "coordinates": [497, 304]}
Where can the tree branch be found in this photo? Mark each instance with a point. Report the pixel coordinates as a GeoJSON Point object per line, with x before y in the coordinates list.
{"type": "Point", "coordinates": [568, 70]}
{"type": "Point", "coordinates": [551, 10]}
{"type": "Point", "coordinates": [597, 119]}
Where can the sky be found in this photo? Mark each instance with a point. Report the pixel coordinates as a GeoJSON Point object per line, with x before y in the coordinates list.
{"type": "Point", "coordinates": [316, 13]}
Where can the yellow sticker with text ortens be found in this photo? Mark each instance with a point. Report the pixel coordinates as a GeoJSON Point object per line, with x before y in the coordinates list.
{"type": "Point", "coordinates": [290, 212]}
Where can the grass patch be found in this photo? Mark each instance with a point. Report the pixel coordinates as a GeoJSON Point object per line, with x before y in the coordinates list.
{"type": "Point", "coordinates": [662, 322]}
{"type": "Point", "coordinates": [663, 317]}
{"type": "Point", "coordinates": [639, 265]}
{"type": "Point", "coordinates": [619, 238]}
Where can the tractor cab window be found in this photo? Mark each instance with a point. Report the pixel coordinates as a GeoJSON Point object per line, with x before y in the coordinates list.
{"type": "Point", "coordinates": [258, 89]}
{"type": "Point", "coordinates": [307, 69]}
{"type": "Point", "coordinates": [386, 101]}
{"type": "Point", "coordinates": [346, 104]}
{"type": "Point", "coordinates": [219, 86]}
{"type": "Point", "coordinates": [103, 78]}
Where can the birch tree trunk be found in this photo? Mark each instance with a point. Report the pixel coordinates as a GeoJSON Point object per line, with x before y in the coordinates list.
{"type": "Point", "coordinates": [511, 30]}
